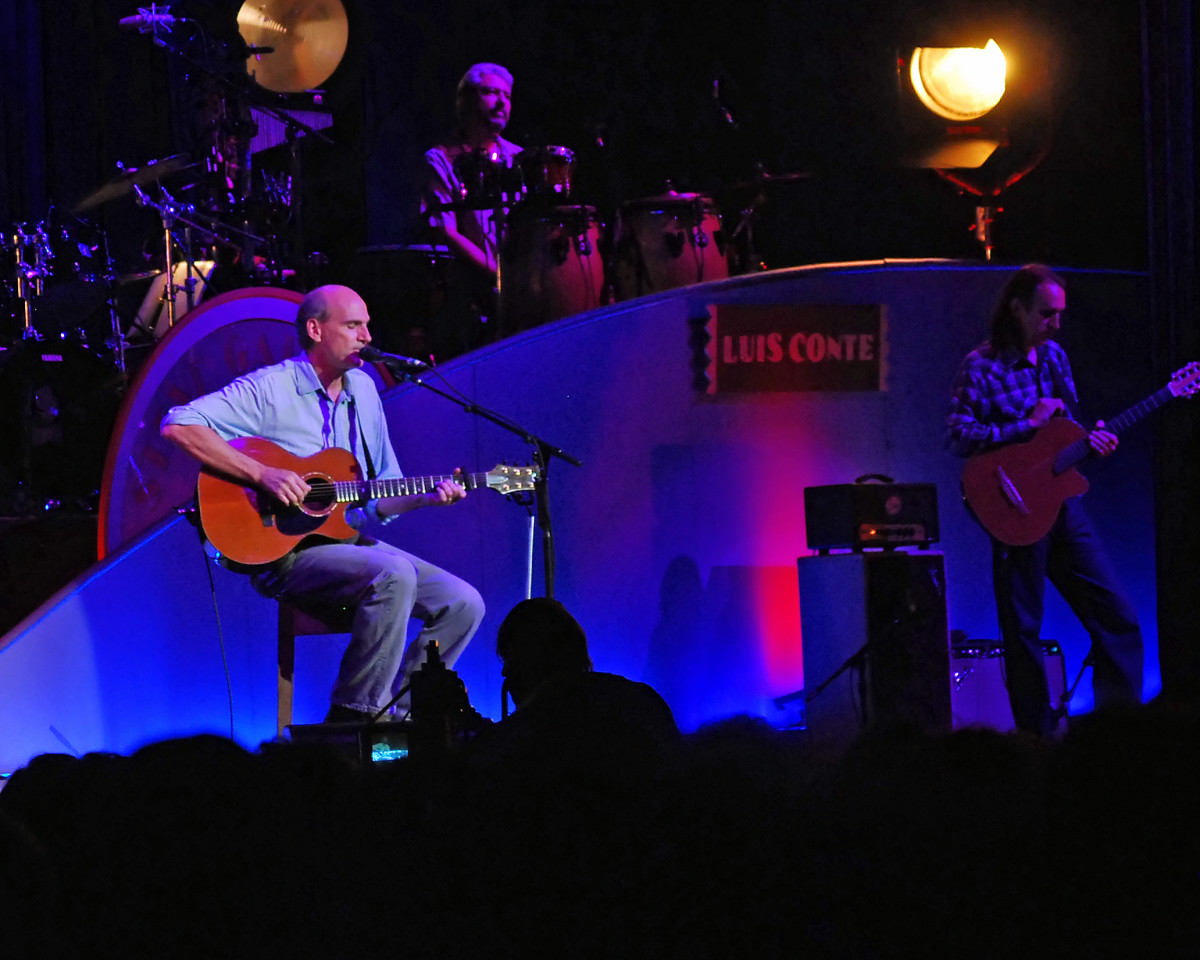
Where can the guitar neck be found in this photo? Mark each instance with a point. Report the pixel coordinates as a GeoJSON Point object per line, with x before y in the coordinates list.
{"type": "Point", "coordinates": [352, 491]}
{"type": "Point", "coordinates": [1077, 451]}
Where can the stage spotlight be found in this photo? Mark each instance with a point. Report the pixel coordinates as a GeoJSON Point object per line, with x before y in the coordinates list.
{"type": "Point", "coordinates": [976, 99]}
{"type": "Point", "coordinates": [958, 83]}
{"type": "Point", "coordinates": [976, 104]}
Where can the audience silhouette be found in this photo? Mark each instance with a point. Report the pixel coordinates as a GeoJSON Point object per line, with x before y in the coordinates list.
{"type": "Point", "coordinates": [584, 825]}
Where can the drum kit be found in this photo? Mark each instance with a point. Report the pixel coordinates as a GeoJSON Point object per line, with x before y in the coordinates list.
{"type": "Point", "coordinates": [73, 325]}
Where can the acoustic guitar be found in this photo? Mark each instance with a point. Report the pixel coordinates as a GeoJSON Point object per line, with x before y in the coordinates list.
{"type": "Point", "coordinates": [251, 527]}
{"type": "Point", "coordinates": [1015, 491]}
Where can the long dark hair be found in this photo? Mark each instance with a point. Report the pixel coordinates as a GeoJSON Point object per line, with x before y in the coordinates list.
{"type": "Point", "coordinates": [1007, 332]}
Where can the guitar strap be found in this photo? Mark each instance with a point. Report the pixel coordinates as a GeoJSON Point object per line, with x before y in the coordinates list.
{"type": "Point", "coordinates": [1060, 386]}
{"type": "Point", "coordinates": [362, 438]}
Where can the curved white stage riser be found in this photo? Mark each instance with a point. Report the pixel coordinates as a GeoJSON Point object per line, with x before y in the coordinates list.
{"type": "Point", "coordinates": [676, 540]}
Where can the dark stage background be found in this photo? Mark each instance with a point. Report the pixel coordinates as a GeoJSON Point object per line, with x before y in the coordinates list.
{"type": "Point", "coordinates": [810, 88]}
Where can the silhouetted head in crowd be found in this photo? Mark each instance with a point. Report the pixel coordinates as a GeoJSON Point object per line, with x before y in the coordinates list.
{"type": "Point", "coordinates": [540, 641]}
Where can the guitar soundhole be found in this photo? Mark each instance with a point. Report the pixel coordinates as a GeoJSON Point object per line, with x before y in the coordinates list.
{"type": "Point", "coordinates": [321, 497]}
{"type": "Point", "coordinates": [308, 518]}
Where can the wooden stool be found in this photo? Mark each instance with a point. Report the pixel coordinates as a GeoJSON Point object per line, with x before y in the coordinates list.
{"type": "Point", "coordinates": [313, 620]}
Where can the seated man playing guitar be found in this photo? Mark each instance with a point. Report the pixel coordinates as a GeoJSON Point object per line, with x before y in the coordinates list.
{"type": "Point", "coordinates": [317, 400]}
{"type": "Point", "coordinates": [1006, 391]}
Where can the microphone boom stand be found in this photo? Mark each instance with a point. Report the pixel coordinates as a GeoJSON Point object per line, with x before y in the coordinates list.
{"type": "Point", "coordinates": [543, 453]}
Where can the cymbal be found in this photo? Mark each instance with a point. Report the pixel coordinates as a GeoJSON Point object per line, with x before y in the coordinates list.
{"type": "Point", "coordinates": [769, 180]}
{"type": "Point", "coordinates": [127, 179]}
{"type": "Point", "coordinates": [307, 39]}
{"type": "Point", "coordinates": [137, 275]}
{"type": "Point", "coordinates": [671, 197]}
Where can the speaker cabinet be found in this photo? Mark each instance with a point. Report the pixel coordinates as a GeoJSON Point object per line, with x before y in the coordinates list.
{"type": "Point", "coordinates": [876, 646]}
{"type": "Point", "coordinates": [978, 693]}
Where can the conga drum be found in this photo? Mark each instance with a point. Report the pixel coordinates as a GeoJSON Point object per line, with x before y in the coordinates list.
{"type": "Point", "coordinates": [666, 242]}
{"type": "Point", "coordinates": [551, 265]}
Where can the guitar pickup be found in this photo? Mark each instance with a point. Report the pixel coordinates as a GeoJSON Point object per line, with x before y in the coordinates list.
{"type": "Point", "coordinates": [1011, 492]}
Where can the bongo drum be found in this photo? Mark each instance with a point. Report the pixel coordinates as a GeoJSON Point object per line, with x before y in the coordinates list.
{"type": "Point", "coordinates": [547, 172]}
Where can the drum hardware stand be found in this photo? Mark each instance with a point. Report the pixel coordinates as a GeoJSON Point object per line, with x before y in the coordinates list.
{"type": "Point", "coordinates": [746, 227]}
{"type": "Point", "coordinates": [295, 204]}
{"type": "Point", "coordinates": [295, 133]}
{"type": "Point", "coordinates": [168, 211]}
{"type": "Point", "coordinates": [115, 342]}
{"type": "Point", "coordinates": [583, 244]}
{"type": "Point", "coordinates": [31, 276]}
{"type": "Point", "coordinates": [500, 221]}
{"type": "Point", "coordinates": [699, 237]}
{"type": "Point", "coordinates": [173, 212]}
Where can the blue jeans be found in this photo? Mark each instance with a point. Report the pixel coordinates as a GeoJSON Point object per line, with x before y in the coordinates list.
{"type": "Point", "coordinates": [1073, 559]}
{"type": "Point", "coordinates": [385, 586]}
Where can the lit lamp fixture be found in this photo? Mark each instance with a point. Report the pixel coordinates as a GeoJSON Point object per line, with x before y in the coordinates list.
{"type": "Point", "coordinates": [958, 83]}
{"type": "Point", "coordinates": [979, 118]}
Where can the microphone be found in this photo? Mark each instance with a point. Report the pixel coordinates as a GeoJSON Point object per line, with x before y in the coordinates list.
{"type": "Point", "coordinates": [723, 110]}
{"type": "Point", "coordinates": [393, 360]}
{"type": "Point", "coordinates": [148, 20]}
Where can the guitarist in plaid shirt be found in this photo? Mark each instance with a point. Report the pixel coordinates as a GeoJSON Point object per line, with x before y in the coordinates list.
{"type": "Point", "coordinates": [1005, 390]}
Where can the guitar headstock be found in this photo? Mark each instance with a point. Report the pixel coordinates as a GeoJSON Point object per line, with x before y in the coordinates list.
{"type": "Point", "coordinates": [1186, 380]}
{"type": "Point", "coordinates": [507, 479]}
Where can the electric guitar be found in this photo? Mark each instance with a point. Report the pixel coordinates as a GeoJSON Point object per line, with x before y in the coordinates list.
{"type": "Point", "coordinates": [251, 527]}
{"type": "Point", "coordinates": [1015, 491]}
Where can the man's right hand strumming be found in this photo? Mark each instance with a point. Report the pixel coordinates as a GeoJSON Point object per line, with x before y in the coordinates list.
{"type": "Point", "coordinates": [285, 485]}
{"type": "Point", "coordinates": [1044, 409]}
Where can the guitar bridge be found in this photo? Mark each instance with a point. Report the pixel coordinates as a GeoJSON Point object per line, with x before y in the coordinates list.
{"type": "Point", "coordinates": [1010, 491]}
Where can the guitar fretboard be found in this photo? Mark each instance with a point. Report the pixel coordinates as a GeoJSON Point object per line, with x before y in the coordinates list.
{"type": "Point", "coordinates": [352, 491]}
{"type": "Point", "coordinates": [1073, 453]}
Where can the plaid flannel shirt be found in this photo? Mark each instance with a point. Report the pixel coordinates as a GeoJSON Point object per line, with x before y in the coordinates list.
{"type": "Point", "coordinates": [994, 393]}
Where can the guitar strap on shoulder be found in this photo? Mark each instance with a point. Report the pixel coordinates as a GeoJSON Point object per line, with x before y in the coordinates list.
{"type": "Point", "coordinates": [1060, 387]}
{"type": "Point", "coordinates": [362, 438]}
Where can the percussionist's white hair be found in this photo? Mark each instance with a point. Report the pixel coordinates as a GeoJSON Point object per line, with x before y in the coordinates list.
{"type": "Point", "coordinates": [473, 79]}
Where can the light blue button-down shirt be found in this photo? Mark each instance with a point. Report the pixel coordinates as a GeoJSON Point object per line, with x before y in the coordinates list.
{"type": "Point", "coordinates": [286, 404]}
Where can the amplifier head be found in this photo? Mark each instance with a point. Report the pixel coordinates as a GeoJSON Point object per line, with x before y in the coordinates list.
{"type": "Point", "coordinates": [858, 515]}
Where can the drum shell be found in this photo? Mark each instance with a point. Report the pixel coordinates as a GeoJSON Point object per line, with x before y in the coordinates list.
{"type": "Point", "coordinates": [153, 320]}
{"type": "Point", "coordinates": [547, 172]}
{"type": "Point", "coordinates": [60, 401]}
{"type": "Point", "coordinates": [552, 265]}
{"type": "Point", "coordinates": [668, 242]}
{"type": "Point", "coordinates": [61, 272]}
{"type": "Point", "coordinates": [486, 178]}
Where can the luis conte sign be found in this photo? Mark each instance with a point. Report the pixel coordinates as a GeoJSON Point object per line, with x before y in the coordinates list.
{"type": "Point", "coordinates": [781, 348]}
